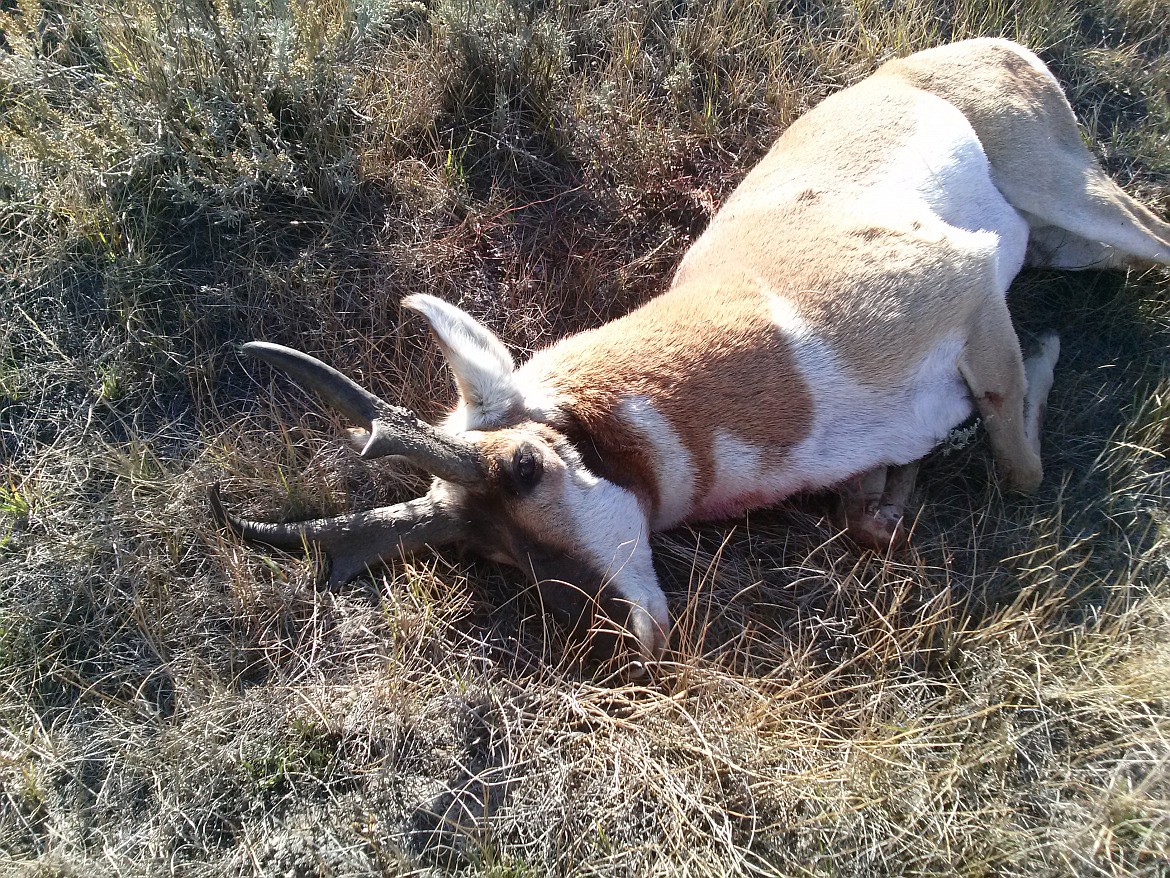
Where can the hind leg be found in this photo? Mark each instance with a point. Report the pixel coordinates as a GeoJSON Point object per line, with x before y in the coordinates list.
{"type": "Point", "coordinates": [1039, 161]}
{"type": "Point", "coordinates": [1053, 247]}
{"type": "Point", "coordinates": [1045, 170]}
{"type": "Point", "coordinates": [1085, 220]}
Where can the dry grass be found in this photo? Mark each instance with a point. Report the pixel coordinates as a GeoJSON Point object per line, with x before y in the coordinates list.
{"type": "Point", "coordinates": [178, 177]}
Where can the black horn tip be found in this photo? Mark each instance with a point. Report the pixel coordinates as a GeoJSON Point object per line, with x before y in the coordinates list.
{"type": "Point", "coordinates": [221, 515]}
{"type": "Point", "coordinates": [260, 348]}
{"type": "Point", "coordinates": [217, 510]}
{"type": "Point", "coordinates": [381, 441]}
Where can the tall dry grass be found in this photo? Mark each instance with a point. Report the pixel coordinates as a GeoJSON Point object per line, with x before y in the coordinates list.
{"type": "Point", "coordinates": [177, 177]}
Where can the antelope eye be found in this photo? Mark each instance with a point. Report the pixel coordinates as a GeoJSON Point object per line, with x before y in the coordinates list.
{"type": "Point", "coordinates": [527, 466]}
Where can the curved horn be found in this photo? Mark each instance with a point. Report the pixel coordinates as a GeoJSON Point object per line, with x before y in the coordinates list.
{"type": "Point", "coordinates": [354, 541]}
{"type": "Point", "coordinates": [392, 429]}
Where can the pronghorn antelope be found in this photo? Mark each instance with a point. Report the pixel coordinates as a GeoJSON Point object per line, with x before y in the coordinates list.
{"type": "Point", "coordinates": [843, 312]}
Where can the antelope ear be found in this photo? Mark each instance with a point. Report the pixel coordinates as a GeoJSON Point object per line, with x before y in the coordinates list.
{"type": "Point", "coordinates": [484, 370]}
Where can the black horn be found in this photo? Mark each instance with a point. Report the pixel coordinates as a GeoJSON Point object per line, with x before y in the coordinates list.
{"type": "Point", "coordinates": [392, 429]}
{"type": "Point", "coordinates": [355, 541]}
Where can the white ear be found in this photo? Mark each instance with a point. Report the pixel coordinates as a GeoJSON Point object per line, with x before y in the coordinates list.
{"type": "Point", "coordinates": [482, 365]}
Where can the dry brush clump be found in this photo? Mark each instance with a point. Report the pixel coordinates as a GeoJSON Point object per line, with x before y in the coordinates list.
{"type": "Point", "coordinates": [178, 177]}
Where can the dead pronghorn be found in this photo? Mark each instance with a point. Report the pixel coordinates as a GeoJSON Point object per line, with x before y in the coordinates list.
{"type": "Point", "coordinates": [842, 313]}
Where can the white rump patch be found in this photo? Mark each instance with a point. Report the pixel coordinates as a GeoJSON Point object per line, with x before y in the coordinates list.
{"type": "Point", "coordinates": [944, 168]}
{"type": "Point", "coordinates": [483, 368]}
{"type": "Point", "coordinates": [673, 469]}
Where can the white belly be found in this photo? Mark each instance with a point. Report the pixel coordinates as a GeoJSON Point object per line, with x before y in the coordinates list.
{"type": "Point", "coordinates": [855, 428]}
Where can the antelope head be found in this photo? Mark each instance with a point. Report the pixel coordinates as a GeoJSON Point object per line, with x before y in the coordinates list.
{"type": "Point", "coordinates": [518, 494]}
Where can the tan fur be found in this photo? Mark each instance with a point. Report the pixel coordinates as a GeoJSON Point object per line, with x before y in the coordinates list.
{"type": "Point", "coordinates": [795, 223]}
{"type": "Point", "coordinates": [704, 379]}
{"type": "Point", "coordinates": [1029, 133]}
{"type": "Point", "coordinates": [830, 259]}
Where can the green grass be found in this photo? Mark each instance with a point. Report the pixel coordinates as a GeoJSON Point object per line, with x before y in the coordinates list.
{"type": "Point", "coordinates": [176, 178]}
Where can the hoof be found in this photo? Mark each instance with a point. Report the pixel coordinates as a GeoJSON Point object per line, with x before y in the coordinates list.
{"type": "Point", "coordinates": [881, 531]}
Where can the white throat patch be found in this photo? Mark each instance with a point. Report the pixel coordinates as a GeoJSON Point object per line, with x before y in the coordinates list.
{"type": "Point", "coordinates": [614, 534]}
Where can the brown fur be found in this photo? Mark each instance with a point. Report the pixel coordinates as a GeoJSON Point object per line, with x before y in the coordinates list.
{"type": "Point", "coordinates": [702, 380]}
